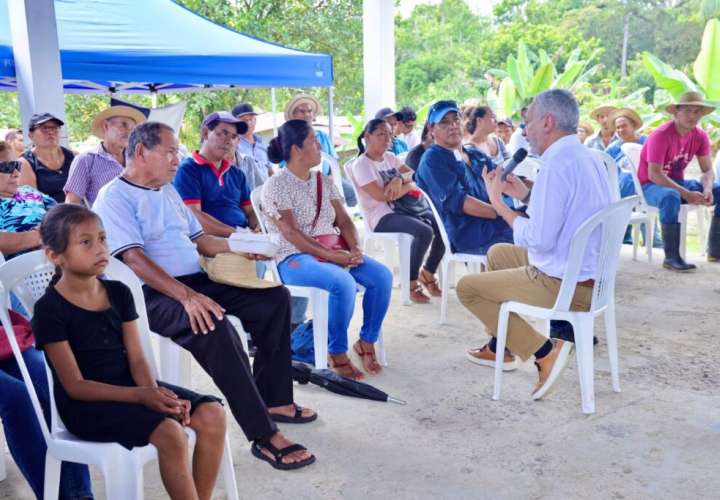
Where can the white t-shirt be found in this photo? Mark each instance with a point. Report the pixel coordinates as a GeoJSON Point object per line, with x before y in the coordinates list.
{"type": "Point", "coordinates": [411, 139]}
{"type": "Point", "coordinates": [365, 171]}
{"type": "Point", "coordinates": [517, 141]}
{"type": "Point", "coordinates": [155, 220]}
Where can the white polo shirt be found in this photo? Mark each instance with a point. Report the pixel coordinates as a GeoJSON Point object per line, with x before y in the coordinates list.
{"type": "Point", "coordinates": [155, 220]}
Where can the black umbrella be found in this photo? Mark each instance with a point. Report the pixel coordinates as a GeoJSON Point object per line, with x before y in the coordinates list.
{"type": "Point", "coordinates": [338, 384]}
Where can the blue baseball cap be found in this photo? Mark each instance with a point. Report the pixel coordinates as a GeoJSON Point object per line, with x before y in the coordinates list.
{"type": "Point", "coordinates": [225, 117]}
{"type": "Point", "coordinates": [439, 109]}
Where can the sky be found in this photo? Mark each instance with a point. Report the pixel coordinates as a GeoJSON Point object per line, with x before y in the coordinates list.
{"type": "Point", "coordinates": [478, 6]}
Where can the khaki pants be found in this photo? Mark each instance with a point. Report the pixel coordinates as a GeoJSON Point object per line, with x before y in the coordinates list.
{"type": "Point", "coordinates": [510, 277]}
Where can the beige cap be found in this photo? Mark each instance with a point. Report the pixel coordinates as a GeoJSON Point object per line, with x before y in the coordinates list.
{"type": "Point", "coordinates": [235, 270]}
{"type": "Point", "coordinates": [691, 99]}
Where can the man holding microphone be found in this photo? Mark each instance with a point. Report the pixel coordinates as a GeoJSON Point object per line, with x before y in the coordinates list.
{"type": "Point", "coordinates": [571, 187]}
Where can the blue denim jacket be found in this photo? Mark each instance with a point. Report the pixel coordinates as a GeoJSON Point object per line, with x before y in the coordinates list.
{"type": "Point", "coordinates": [448, 181]}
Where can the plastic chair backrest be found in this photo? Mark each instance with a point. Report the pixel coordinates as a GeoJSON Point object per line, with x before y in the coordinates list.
{"type": "Point", "coordinates": [34, 268]}
{"type": "Point", "coordinates": [348, 172]}
{"type": "Point", "coordinates": [612, 171]}
{"type": "Point", "coordinates": [717, 167]}
{"type": "Point", "coordinates": [613, 221]}
{"type": "Point", "coordinates": [439, 221]}
{"type": "Point", "coordinates": [256, 200]}
{"type": "Point", "coordinates": [334, 171]}
{"type": "Point", "coordinates": [632, 151]}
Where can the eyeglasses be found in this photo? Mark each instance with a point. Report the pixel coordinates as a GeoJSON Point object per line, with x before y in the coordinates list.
{"type": "Point", "coordinates": [47, 129]}
{"type": "Point", "coordinates": [8, 167]}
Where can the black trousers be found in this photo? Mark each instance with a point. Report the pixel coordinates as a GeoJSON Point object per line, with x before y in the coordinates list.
{"type": "Point", "coordinates": [424, 232]}
{"type": "Point", "coordinates": [265, 313]}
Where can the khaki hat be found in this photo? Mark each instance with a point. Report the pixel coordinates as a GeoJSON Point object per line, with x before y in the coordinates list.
{"type": "Point", "coordinates": [691, 99]}
{"type": "Point", "coordinates": [626, 113]}
{"type": "Point", "coordinates": [589, 130]}
{"type": "Point", "coordinates": [603, 108]}
{"type": "Point", "coordinates": [114, 111]}
{"type": "Point", "coordinates": [235, 270]}
{"type": "Point", "coordinates": [301, 99]}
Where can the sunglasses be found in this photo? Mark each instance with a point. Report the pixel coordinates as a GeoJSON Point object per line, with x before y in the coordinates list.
{"type": "Point", "coordinates": [8, 167]}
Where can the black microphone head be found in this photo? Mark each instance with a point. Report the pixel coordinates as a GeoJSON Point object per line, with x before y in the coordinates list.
{"type": "Point", "coordinates": [520, 155]}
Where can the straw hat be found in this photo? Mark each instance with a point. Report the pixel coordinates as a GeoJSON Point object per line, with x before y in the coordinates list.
{"type": "Point", "coordinates": [589, 130]}
{"type": "Point", "coordinates": [235, 270]}
{"type": "Point", "coordinates": [626, 113]}
{"type": "Point", "coordinates": [691, 99]}
{"type": "Point", "coordinates": [604, 108]}
{"type": "Point", "coordinates": [112, 112]}
{"type": "Point", "coordinates": [301, 99]}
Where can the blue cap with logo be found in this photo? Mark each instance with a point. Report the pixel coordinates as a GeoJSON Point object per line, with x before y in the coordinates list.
{"type": "Point", "coordinates": [439, 109]}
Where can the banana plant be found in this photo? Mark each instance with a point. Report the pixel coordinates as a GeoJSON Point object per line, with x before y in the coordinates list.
{"type": "Point", "coordinates": [520, 81]}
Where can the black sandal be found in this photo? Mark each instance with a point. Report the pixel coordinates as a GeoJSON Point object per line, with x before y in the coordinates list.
{"type": "Point", "coordinates": [295, 419]}
{"type": "Point", "coordinates": [278, 454]}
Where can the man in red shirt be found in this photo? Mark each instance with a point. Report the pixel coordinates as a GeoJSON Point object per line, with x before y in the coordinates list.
{"type": "Point", "coordinates": [663, 160]}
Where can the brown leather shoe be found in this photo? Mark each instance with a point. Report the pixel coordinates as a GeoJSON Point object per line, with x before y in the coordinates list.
{"type": "Point", "coordinates": [485, 357]}
{"type": "Point", "coordinates": [551, 366]}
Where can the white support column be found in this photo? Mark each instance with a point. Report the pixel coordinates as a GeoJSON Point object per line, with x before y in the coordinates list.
{"type": "Point", "coordinates": [378, 55]}
{"type": "Point", "coordinates": [274, 111]}
{"type": "Point", "coordinates": [37, 59]}
{"type": "Point", "coordinates": [331, 111]}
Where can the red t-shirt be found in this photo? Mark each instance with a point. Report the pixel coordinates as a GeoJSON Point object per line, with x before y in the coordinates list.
{"type": "Point", "coordinates": [666, 147]}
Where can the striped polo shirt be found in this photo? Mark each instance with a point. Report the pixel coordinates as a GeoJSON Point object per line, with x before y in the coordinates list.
{"type": "Point", "coordinates": [91, 171]}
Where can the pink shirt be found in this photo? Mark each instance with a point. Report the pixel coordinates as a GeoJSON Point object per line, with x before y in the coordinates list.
{"type": "Point", "coordinates": [365, 171]}
{"type": "Point", "coordinates": [666, 147]}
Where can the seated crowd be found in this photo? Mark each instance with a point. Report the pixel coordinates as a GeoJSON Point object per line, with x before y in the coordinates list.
{"type": "Point", "coordinates": [133, 198]}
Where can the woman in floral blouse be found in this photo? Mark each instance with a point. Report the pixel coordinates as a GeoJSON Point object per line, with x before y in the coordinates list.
{"type": "Point", "coordinates": [302, 205]}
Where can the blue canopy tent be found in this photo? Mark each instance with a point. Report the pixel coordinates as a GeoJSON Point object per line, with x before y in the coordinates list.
{"type": "Point", "coordinates": [160, 46]}
{"type": "Point", "coordinates": [149, 46]}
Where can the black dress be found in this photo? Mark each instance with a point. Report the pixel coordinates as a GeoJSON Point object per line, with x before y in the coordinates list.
{"type": "Point", "coordinates": [95, 338]}
{"type": "Point", "coordinates": [49, 181]}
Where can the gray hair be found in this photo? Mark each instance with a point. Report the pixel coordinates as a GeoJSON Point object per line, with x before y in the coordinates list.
{"type": "Point", "coordinates": [562, 105]}
{"type": "Point", "coordinates": [147, 134]}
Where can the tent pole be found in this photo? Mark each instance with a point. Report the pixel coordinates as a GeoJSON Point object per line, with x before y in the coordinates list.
{"type": "Point", "coordinates": [330, 115]}
{"type": "Point", "coordinates": [36, 53]}
{"type": "Point", "coordinates": [274, 107]}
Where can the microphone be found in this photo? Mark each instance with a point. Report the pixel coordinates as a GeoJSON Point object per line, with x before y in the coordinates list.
{"type": "Point", "coordinates": [516, 160]}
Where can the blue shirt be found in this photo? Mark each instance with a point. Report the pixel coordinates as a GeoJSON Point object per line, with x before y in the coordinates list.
{"type": "Point", "coordinates": [221, 192]}
{"type": "Point", "coordinates": [258, 152]}
{"type": "Point", "coordinates": [398, 146]}
{"type": "Point", "coordinates": [448, 181]}
{"type": "Point", "coordinates": [614, 149]}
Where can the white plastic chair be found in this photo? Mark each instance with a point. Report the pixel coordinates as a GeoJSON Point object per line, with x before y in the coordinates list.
{"type": "Point", "coordinates": [613, 220]}
{"type": "Point", "coordinates": [319, 298]}
{"type": "Point", "coordinates": [474, 262]}
{"type": "Point", "coordinates": [403, 241]}
{"type": "Point", "coordinates": [632, 151]}
{"type": "Point", "coordinates": [335, 171]}
{"type": "Point", "coordinates": [27, 276]}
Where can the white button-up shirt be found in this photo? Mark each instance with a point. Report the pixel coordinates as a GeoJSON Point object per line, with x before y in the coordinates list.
{"type": "Point", "coordinates": [571, 187]}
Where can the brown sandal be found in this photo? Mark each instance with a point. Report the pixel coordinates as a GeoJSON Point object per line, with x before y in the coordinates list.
{"type": "Point", "coordinates": [430, 284]}
{"type": "Point", "coordinates": [372, 366]}
{"type": "Point", "coordinates": [417, 295]}
{"type": "Point", "coordinates": [345, 368]}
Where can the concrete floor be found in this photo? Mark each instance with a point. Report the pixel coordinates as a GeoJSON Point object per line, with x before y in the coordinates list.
{"type": "Point", "coordinates": [659, 438]}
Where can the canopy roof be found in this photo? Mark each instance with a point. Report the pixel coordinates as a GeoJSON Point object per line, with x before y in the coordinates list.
{"type": "Point", "coordinates": [159, 45]}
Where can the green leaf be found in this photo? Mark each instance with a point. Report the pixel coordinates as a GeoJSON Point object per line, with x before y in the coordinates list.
{"type": "Point", "coordinates": [498, 73]}
{"type": "Point", "coordinates": [568, 77]}
{"type": "Point", "coordinates": [707, 65]}
{"type": "Point", "coordinates": [525, 69]}
{"type": "Point", "coordinates": [506, 98]}
{"type": "Point", "coordinates": [674, 81]}
{"type": "Point", "coordinates": [542, 80]}
{"type": "Point", "coordinates": [544, 59]}
{"type": "Point", "coordinates": [514, 73]}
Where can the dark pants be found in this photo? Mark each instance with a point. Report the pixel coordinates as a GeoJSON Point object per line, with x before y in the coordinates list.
{"type": "Point", "coordinates": [265, 313]}
{"type": "Point", "coordinates": [424, 232]}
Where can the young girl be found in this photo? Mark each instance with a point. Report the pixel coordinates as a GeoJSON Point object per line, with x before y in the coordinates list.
{"type": "Point", "coordinates": [104, 389]}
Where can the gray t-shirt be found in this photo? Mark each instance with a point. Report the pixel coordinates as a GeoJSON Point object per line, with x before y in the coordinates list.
{"type": "Point", "coordinates": [155, 220]}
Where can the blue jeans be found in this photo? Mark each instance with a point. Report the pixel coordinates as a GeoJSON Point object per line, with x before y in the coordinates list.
{"type": "Point", "coordinates": [22, 431]}
{"type": "Point", "coordinates": [668, 200]}
{"type": "Point", "coordinates": [349, 193]}
{"type": "Point", "coordinates": [298, 305]}
{"type": "Point", "coordinates": [627, 186]}
{"type": "Point", "coordinates": [304, 270]}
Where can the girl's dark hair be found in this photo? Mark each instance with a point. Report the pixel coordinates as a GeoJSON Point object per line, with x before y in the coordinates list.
{"type": "Point", "coordinates": [425, 132]}
{"type": "Point", "coordinates": [291, 133]}
{"type": "Point", "coordinates": [473, 115]}
{"type": "Point", "coordinates": [57, 225]}
{"type": "Point", "coordinates": [370, 127]}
